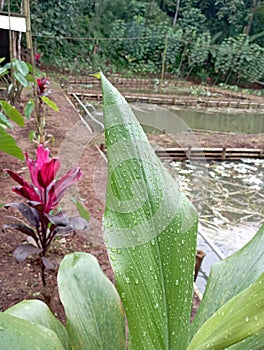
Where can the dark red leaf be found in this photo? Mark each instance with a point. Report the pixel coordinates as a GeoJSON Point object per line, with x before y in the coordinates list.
{"type": "Point", "coordinates": [48, 172]}
{"type": "Point", "coordinates": [40, 207]}
{"type": "Point", "coordinates": [60, 219]}
{"type": "Point", "coordinates": [25, 250]}
{"type": "Point", "coordinates": [21, 228]}
{"type": "Point", "coordinates": [56, 192]}
{"type": "Point", "coordinates": [29, 213]}
{"type": "Point", "coordinates": [19, 179]}
{"type": "Point", "coordinates": [78, 223]}
{"type": "Point", "coordinates": [49, 265]}
{"type": "Point", "coordinates": [27, 192]}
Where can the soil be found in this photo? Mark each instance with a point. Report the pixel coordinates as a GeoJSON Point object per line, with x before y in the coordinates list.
{"type": "Point", "coordinates": [20, 281]}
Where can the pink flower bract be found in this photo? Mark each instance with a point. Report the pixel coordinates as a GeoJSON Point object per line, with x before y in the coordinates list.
{"type": "Point", "coordinates": [44, 188]}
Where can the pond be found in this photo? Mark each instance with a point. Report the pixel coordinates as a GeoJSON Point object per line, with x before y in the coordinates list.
{"type": "Point", "coordinates": [232, 208]}
{"type": "Point", "coordinates": [229, 120]}
{"type": "Point", "coordinates": [229, 196]}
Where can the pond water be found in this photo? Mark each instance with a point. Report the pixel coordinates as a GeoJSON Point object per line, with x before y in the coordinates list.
{"type": "Point", "coordinates": [229, 196]}
{"type": "Point", "coordinates": [230, 120]}
{"type": "Point", "coordinates": [231, 210]}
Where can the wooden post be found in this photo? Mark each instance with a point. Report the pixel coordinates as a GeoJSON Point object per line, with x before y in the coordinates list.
{"type": "Point", "coordinates": [28, 24]}
{"type": "Point", "coordinates": [163, 63]}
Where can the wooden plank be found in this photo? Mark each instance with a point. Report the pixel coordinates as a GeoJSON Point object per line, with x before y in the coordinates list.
{"type": "Point", "coordinates": [210, 153]}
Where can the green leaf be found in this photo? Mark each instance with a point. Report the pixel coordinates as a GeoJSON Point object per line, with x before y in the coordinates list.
{"type": "Point", "coordinates": [3, 71]}
{"type": "Point", "coordinates": [29, 108]}
{"type": "Point", "coordinates": [18, 334]}
{"type": "Point", "coordinates": [96, 75]}
{"type": "Point", "coordinates": [21, 79]}
{"type": "Point", "coordinates": [32, 135]}
{"type": "Point", "coordinates": [30, 78]}
{"type": "Point", "coordinates": [38, 312]}
{"type": "Point", "coordinates": [50, 103]}
{"type": "Point", "coordinates": [253, 343]}
{"type": "Point", "coordinates": [84, 213]}
{"type": "Point", "coordinates": [5, 121]}
{"type": "Point", "coordinates": [95, 319]}
{"type": "Point", "coordinates": [12, 113]}
{"type": "Point", "coordinates": [8, 145]}
{"type": "Point", "coordinates": [22, 67]}
{"type": "Point", "coordinates": [150, 231]}
{"type": "Point", "coordinates": [10, 88]}
{"type": "Point", "coordinates": [231, 276]}
{"type": "Point", "coordinates": [239, 318]}
{"type": "Point", "coordinates": [2, 59]}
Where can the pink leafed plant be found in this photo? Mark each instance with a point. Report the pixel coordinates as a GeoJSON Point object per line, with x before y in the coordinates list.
{"type": "Point", "coordinates": [43, 196]}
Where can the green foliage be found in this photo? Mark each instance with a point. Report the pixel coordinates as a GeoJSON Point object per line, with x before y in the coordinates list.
{"type": "Point", "coordinates": [95, 319]}
{"type": "Point", "coordinates": [16, 75]}
{"type": "Point", "coordinates": [50, 103]}
{"type": "Point", "coordinates": [83, 212]}
{"type": "Point", "coordinates": [129, 36]}
{"type": "Point", "coordinates": [7, 142]}
{"type": "Point", "coordinates": [94, 314]}
{"type": "Point", "coordinates": [150, 231]}
{"type": "Point", "coordinates": [238, 58]}
{"type": "Point", "coordinates": [29, 108]}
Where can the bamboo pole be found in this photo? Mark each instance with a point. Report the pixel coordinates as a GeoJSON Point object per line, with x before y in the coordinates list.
{"type": "Point", "coordinates": [40, 130]}
{"type": "Point", "coordinates": [163, 63]}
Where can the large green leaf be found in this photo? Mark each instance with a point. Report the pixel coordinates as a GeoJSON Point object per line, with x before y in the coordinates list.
{"type": "Point", "coordinates": [95, 318]}
{"type": "Point", "coordinates": [150, 231]}
{"type": "Point", "coordinates": [12, 113]}
{"type": "Point", "coordinates": [231, 276]}
{"type": "Point", "coordinates": [19, 334]}
{"type": "Point", "coordinates": [8, 145]}
{"type": "Point", "coordinates": [38, 312]}
{"type": "Point", "coordinates": [239, 318]}
{"type": "Point", "coordinates": [21, 79]}
{"type": "Point", "coordinates": [22, 67]}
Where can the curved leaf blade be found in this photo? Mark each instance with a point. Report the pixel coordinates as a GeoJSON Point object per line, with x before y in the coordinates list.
{"type": "Point", "coordinates": [231, 276]}
{"type": "Point", "coordinates": [5, 121]}
{"type": "Point", "coordinates": [255, 342]}
{"type": "Point", "coordinates": [150, 230]}
{"type": "Point", "coordinates": [19, 334]}
{"type": "Point", "coordinates": [239, 318]}
{"type": "Point", "coordinates": [22, 67]}
{"type": "Point", "coordinates": [21, 79]}
{"type": "Point", "coordinates": [12, 113]}
{"type": "Point", "coordinates": [9, 146]}
{"type": "Point", "coordinates": [50, 103]}
{"type": "Point", "coordinates": [29, 108]}
{"type": "Point", "coordinates": [93, 309]}
{"type": "Point", "coordinates": [25, 250]}
{"type": "Point", "coordinates": [38, 312]}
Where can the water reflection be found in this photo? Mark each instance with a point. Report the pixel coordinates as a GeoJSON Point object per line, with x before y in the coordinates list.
{"type": "Point", "coordinates": [233, 208]}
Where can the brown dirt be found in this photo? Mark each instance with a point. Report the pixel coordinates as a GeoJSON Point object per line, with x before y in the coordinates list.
{"type": "Point", "coordinates": [23, 280]}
